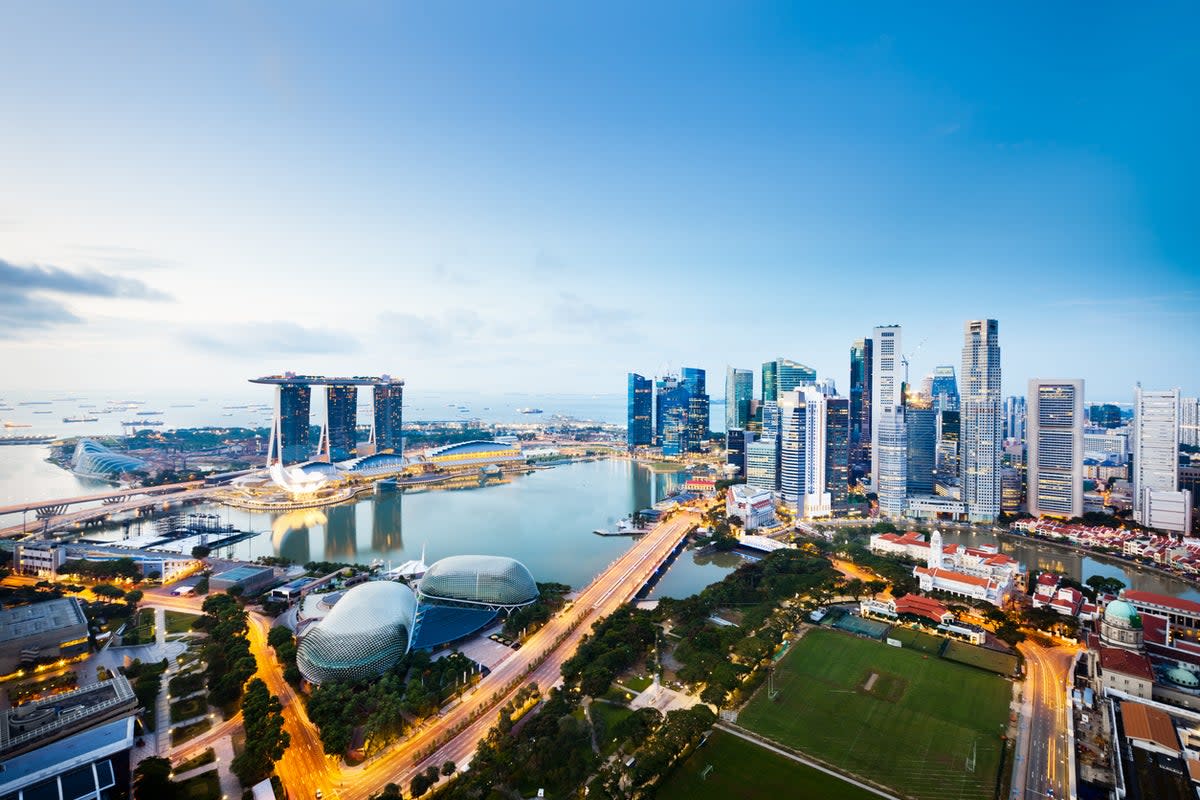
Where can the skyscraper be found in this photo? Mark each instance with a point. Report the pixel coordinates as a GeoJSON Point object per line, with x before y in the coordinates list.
{"type": "Point", "coordinates": [639, 401]}
{"type": "Point", "coordinates": [341, 422]}
{"type": "Point", "coordinates": [1155, 447]}
{"type": "Point", "coordinates": [1014, 418]}
{"type": "Point", "coordinates": [792, 375]}
{"type": "Point", "coordinates": [802, 451]}
{"type": "Point", "coordinates": [762, 464]}
{"type": "Point", "coordinates": [389, 415]}
{"type": "Point", "coordinates": [1189, 421]}
{"type": "Point", "coordinates": [736, 440]}
{"type": "Point", "coordinates": [948, 460]}
{"type": "Point", "coordinates": [837, 454]}
{"type": "Point", "coordinates": [739, 391]}
{"type": "Point", "coordinates": [889, 439]}
{"type": "Point", "coordinates": [770, 385]}
{"type": "Point", "coordinates": [943, 389]}
{"type": "Point", "coordinates": [1055, 466]}
{"type": "Point", "coordinates": [671, 416]}
{"type": "Point", "coordinates": [921, 425]}
{"type": "Point", "coordinates": [860, 408]}
{"type": "Point", "coordinates": [693, 381]}
{"type": "Point", "coordinates": [291, 430]}
{"type": "Point", "coordinates": [981, 419]}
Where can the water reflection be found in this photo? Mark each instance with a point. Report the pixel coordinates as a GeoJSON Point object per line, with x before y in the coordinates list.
{"type": "Point", "coordinates": [387, 523]}
{"type": "Point", "coordinates": [290, 531]}
{"type": "Point", "coordinates": [341, 533]}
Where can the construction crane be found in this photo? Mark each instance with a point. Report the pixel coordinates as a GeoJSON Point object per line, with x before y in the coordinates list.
{"type": "Point", "coordinates": [904, 359]}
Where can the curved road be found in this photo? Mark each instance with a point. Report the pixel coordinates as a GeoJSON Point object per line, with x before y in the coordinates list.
{"type": "Point", "coordinates": [1047, 748]}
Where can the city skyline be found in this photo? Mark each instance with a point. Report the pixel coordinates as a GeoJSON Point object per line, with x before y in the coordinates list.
{"type": "Point", "coordinates": [404, 189]}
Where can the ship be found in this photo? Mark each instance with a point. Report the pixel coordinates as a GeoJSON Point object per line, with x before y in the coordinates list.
{"type": "Point", "coordinates": [529, 411]}
{"type": "Point", "coordinates": [141, 423]}
{"type": "Point", "coordinates": [149, 413]}
{"type": "Point", "coordinates": [34, 403]}
{"type": "Point", "coordinates": [81, 418]}
{"type": "Point", "coordinates": [20, 439]}
{"type": "Point", "coordinates": [17, 425]}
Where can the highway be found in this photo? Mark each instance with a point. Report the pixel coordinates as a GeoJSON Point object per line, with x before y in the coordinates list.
{"type": "Point", "coordinates": [33, 505]}
{"type": "Point", "coordinates": [98, 512]}
{"type": "Point", "coordinates": [1046, 747]}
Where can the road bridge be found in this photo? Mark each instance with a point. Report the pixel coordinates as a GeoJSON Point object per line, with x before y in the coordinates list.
{"type": "Point", "coordinates": [116, 495]}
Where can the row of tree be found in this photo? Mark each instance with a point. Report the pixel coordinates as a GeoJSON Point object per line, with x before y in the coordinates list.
{"type": "Point", "coordinates": [229, 662]}
{"type": "Point", "coordinates": [262, 719]}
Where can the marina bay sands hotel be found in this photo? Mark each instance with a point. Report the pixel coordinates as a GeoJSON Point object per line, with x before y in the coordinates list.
{"type": "Point", "coordinates": [290, 437]}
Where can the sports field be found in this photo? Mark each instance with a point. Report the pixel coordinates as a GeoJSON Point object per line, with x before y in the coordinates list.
{"type": "Point", "coordinates": [742, 769]}
{"type": "Point", "coordinates": [981, 657]}
{"type": "Point", "coordinates": [916, 640]}
{"type": "Point", "coordinates": [923, 725]}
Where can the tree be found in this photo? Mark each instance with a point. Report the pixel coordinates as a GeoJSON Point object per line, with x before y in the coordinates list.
{"type": "Point", "coordinates": [133, 597]}
{"type": "Point", "coordinates": [262, 717]}
{"type": "Point", "coordinates": [152, 780]}
{"type": "Point", "coordinates": [201, 551]}
{"type": "Point", "coordinates": [448, 768]}
{"type": "Point", "coordinates": [855, 587]}
{"type": "Point", "coordinates": [108, 590]}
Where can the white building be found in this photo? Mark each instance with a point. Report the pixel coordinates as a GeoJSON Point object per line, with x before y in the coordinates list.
{"type": "Point", "coordinates": [985, 561]}
{"type": "Point", "coordinates": [802, 451]}
{"type": "Point", "coordinates": [1168, 511]}
{"type": "Point", "coordinates": [755, 507]}
{"type": "Point", "coordinates": [1104, 442]}
{"type": "Point", "coordinates": [1189, 421]}
{"type": "Point", "coordinates": [981, 419]}
{"type": "Point", "coordinates": [889, 436]}
{"type": "Point", "coordinates": [1055, 431]}
{"type": "Point", "coordinates": [762, 464]}
{"type": "Point", "coordinates": [1155, 447]}
{"type": "Point", "coordinates": [38, 559]}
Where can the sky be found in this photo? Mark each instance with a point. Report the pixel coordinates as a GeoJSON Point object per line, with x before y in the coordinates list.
{"type": "Point", "coordinates": [541, 197]}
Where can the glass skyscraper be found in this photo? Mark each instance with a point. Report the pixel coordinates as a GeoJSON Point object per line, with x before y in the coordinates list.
{"type": "Point", "coordinates": [860, 408]}
{"type": "Point", "coordinates": [837, 454]}
{"type": "Point", "coordinates": [981, 419]}
{"type": "Point", "coordinates": [739, 391]}
{"type": "Point", "coordinates": [292, 436]}
{"type": "Point", "coordinates": [921, 424]}
{"type": "Point", "coordinates": [389, 415]}
{"type": "Point", "coordinates": [791, 375]}
{"type": "Point", "coordinates": [736, 440]}
{"type": "Point", "coordinates": [943, 390]}
{"type": "Point", "coordinates": [341, 418]}
{"type": "Point", "coordinates": [640, 400]}
{"type": "Point", "coordinates": [770, 384]}
{"type": "Point", "coordinates": [671, 416]}
{"type": "Point", "coordinates": [693, 381]}
{"type": "Point", "coordinates": [889, 439]}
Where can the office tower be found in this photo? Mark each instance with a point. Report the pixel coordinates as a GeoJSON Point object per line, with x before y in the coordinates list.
{"type": "Point", "coordinates": [792, 375]}
{"type": "Point", "coordinates": [772, 429]}
{"type": "Point", "coordinates": [1189, 421]}
{"type": "Point", "coordinates": [837, 454]}
{"type": "Point", "coordinates": [770, 384]}
{"type": "Point", "coordinates": [1107, 415]}
{"type": "Point", "coordinates": [860, 408]}
{"type": "Point", "coordinates": [802, 451]}
{"type": "Point", "coordinates": [921, 424]}
{"type": "Point", "coordinates": [1014, 418]}
{"type": "Point", "coordinates": [1011, 492]}
{"type": "Point", "coordinates": [755, 422]}
{"type": "Point", "coordinates": [739, 391]}
{"type": "Point", "coordinates": [1055, 465]}
{"type": "Point", "coordinates": [826, 386]}
{"type": "Point", "coordinates": [736, 440]}
{"type": "Point", "coordinates": [762, 464]}
{"type": "Point", "coordinates": [980, 419]}
{"type": "Point", "coordinates": [639, 402]}
{"type": "Point", "coordinates": [388, 396]}
{"type": "Point", "coordinates": [340, 435]}
{"type": "Point", "coordinates": [693, 380]}
{"type": "Point", "coordinates": [1155, 447]}
{"type": "Point", "coordinates": [889, 440]}
{"type": "Point", "coordinates": [290, 431]}
{"type": "Point", "coordinates": [948, 460]}
{"type": "Point", "coordinates": [671, 416]}
{"type": "Point", "coordinates": [1103, 444]}
{"type": "Point", "coordinates": [943, 389]}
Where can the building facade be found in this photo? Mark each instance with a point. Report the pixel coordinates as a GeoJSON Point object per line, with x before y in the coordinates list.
{"type": "Point", "coordinates": [889, 438]}
{"type": "Point", "coordinates": [755, 507]}
{"type": "Point", "coordinates": [837, 454]}
{"type": "Point", "coordinates": [291, 431]}
{"type": "Point", "coordinates": [693, 381]}
{"type": "Point", "coordinates": [1014, 418]}
{"type": "Point", "coordinates": [1055, 466]}
{"type": "Point", "coordinates": [1155, 447]}
{"type": "Point", "coordinates": [792, 375]}
{"type": "Point", "coordinates": [803, 419]}
{"type": "Point", "coordinates": [739, 391]}
{"type": "Point", "coordinates": [1189, 421]}
{"type": "Point", "coordinates": [388, 397]}
{"type": "Point", "coordinates": [943, 389]}
{"type": "Point", "coordinates": [341, 422]}
{"type": "Point", "coordinates": [981, 427]}
{"type": "Point", "coordinates": [639, 395]}
{"type": "Point", "coordinates": [762, 464]}
{"type": "Point", "coordinates": [736, 440]}
{"type": "Point", "coordinates": [860, 408]}
{"type": "Point", "coordinates": [671, 416]}
{"type": "Point", "coordinates": [921, 425]}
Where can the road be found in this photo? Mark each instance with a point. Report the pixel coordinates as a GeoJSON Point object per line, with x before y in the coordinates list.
{"type": "Point", "coordinates": [32, 505]}
{"type": "Point", "coordinates": [100, 512]}
{"type": "Point", "coordinates": [1047, 749]}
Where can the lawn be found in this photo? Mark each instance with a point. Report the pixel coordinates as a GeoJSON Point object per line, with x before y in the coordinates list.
{"type": "Point", "coordinates": [205, 786]}
{"type": "Point", "coordinates": [917, 728]}
{"type": "Point", "coordinates": [992, 661]}
{"type": "Point", "coordinates": [606, 717]}
{"type": "Point", "coordinates": [140, 628]}
{"type": "Point", "coordinates": [207, 757]}
{"type": "Point", "coordinates": [916, 640]}
{"type": "Point", "coordinates": [192, 707]}
{"type": "Point", "coordinates": [179, 621]}
{"type": "Point", "coordinates": [743, 769]}
{"type": "Point", "coordinates": [182, 733]}
{"type": "Point", "coordinates": [636, 683]}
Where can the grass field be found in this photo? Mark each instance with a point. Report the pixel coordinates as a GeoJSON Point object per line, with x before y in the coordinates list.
{"type": "Point", "coordinates": [915, 729]}
{"type": "Point", "coordinates": [916, 640]}
{"type": "Point", "coordinates": [182, 733]}
{"type": "Point", "coordinates": [179, 621]}
{"type": "Point", "coordinates": [205, 786]}
{"type": "Point", "coordinates": [1001, 663]}
{"type": "Point", "coordinates": [742, 769]}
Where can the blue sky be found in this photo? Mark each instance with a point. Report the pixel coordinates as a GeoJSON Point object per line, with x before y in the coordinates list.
{"type": "Point", "coordinates": [543, 196]}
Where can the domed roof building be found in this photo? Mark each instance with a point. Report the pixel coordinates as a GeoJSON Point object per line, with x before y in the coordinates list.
{"type": "Point", "coordinates": [1184, 678]}
{"type": "Point", "coordinates": [1121, 626]}
{"type": "Point", "coordinates": [362, 636]}
{"type": "Point", "coordinates": [461, 594]}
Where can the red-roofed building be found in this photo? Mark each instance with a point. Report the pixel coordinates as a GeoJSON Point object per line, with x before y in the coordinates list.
{"type": "Point", "coordinates": [961, 584]}
{"type": "Point", "coordinates": [1181, 613]}
{"type": "Point", "coordinates": [1126, 671]}
{"type": "Point", "coordinates": [924, 607]}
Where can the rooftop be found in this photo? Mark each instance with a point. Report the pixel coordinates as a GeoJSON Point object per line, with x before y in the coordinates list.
{"type": "Point", "coordinates": [89, 745]}
{"type": "Point", "coordinates": [291, 379]}
{"type": "Point", "coordinates": [22, 621]}
{"type": "Point", "coordinates": [1150, 598]}
{"type": "Point", "coordinates": [951, 575]}
{"type": "Point", "coordinates": [241, 573]}
{"type": "Point", "coordinates": [1149, 724]}
{"type": "Point", "coordinates": [1127, 662]}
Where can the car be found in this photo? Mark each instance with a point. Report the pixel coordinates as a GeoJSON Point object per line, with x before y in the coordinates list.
{"type": "Point", "coordinates": [319, 794]}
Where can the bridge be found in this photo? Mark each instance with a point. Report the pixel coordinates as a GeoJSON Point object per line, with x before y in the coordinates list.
{"type": "Point", "coordinates": [56, 513]}
{"type": "Point", "coordinates": [115, 496]}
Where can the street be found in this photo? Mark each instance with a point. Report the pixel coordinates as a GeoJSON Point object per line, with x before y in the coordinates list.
{"type": "Point", "coordinates": [1046, 749]}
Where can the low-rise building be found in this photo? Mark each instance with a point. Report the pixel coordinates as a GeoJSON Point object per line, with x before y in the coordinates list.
{"type": "Point", "coordinates": [755, 507]}
{"type": "Point", "coordinates": [36, 632]}
{"type": "Point", "coordinates": [1127, 671]}
{"type": "Point", "coordinates": [252, 579]}
{"type": "Point", "coordinates": [981, 573]}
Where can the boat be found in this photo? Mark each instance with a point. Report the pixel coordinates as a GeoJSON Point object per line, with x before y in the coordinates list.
{"type": "Point", "coordinates": [183, 405]}
{"type": "Point", "coordinates": [141, 423]}
{"type": "Point", "coordinates": [529, 411]}
{"type": "Point", "coordinates": [43, 412]}
{"type": "Point", "coordinates": [14, 438]}
{"type": "Point", "coordinates": [81, 418]}
{"type": "Point", "coordinates": [149, 413]}
{"type": "Point", "coordinates": [17, 425]}
{"type": "Point", "coordinates": [34, 403]}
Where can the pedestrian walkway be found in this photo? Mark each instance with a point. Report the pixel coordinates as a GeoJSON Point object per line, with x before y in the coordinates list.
{"type": "Point", "coordinates": [223, 748]}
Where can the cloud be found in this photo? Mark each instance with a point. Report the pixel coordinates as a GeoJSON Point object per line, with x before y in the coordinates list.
{"type": "Point", "coordinates": [435, 331]}
{"type": "Point", "coordinates": [271, 338]}
{"type": "Point", "coordinates": [25, 307]}
{"type": "Point", "coordinates": [88, 284]}
{"type": "Point", "coordinates": [122, 259]}
{"type": "Point", "coordinates": [572, 311]}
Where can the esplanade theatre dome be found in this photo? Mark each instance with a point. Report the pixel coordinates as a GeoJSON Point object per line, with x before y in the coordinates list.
{"type": "Point", "coordinates": [493, 581]}
{"type": "Point", "coordinates": [1121, 626]}
{"type": "Point", "coordinates": [362, 636]}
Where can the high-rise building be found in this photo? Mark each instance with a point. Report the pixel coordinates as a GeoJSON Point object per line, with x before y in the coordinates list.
{"type": "Point", "coordinates": [792, 375]}
{"type": "Point", "coordinates": [837, 454]}
{"type": "Point", "coordinates": [1011, 492]}
{"type": "Point", "coordinates": [736, 440]}
{"type": "Point", "coordinates": [943, 388]}
{"type": "Point", "coordinates": [693, 381]}
{"type": "Point", "coordinates": [921, 424]}
{"type": "Point", "coordinates": [770, 383]}
{"type": "Point", "coordinates": [388, 402]}
{"type": "Point", "coordinates": [290, 433]}
{"type": "Point", "coordinates": [639, 403]}
{"type": "Point", "coordinates": [762, 464]}
{"type": "Point", "coordinates": [1107, 415]}
{"type": "Point", "coordinates": [1189, 421]}
{"type": "Point", "coordinates": [671, 416]}
{"type": "Point", "coordinates": [1055, 461]}
{"type": "Point", "coordinates": [1014, 418]}
{"type": "Point", "coordinates": [802, 451]}
{"type": "Point", "coordinates": [860, 408]}
{"type": "Point", "coordinates": [341, 422]}
{"type": "Point", "coordinates": [1155, 447]}
{"type": "Point", "coordinates": [739, 391]}
{"type": "Point", "coordinates": [889, 439]}
{"type": "Point", "coordinates": [948, 460]}
{"type": "Point", "coordinates": [981, 419]}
